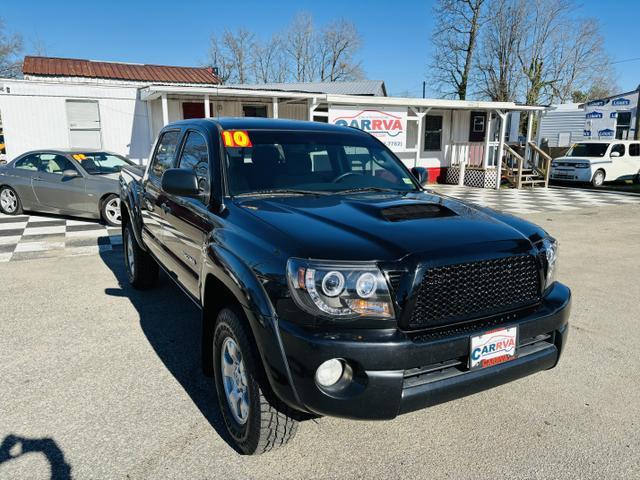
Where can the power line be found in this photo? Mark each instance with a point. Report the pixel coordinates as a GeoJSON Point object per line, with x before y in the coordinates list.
{"type": "Point", "coordinates": [626, 60]}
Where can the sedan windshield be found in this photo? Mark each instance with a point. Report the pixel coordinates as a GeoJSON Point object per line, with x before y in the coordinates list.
{"type": "Point", "coordinates": [101, 163]}
{"type": "Point", "coordinates": [297, 162]}
{"type": "Point", "coordinates": [587, 150]}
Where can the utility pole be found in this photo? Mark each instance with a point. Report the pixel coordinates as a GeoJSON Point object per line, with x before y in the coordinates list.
{"type": "Point", "coordinates": [637, 132]}
{"type": "Point", "coordinates": [424, 90]}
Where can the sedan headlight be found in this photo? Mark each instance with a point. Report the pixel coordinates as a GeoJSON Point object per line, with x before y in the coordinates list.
{"type": "Point", "coordinates": [550, 257]}
{"type": "Point", "coordinates": [336, 289]}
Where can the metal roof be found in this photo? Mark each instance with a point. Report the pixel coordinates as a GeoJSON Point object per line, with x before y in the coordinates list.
{"type": "Point", "coordinates": [374, 88]}
{"type": "Point", "coordinates": [71, 67]}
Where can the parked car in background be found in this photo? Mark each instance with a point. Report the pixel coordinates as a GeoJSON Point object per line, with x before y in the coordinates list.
{"type": "Point", "coordinates": [331, 282]}
{"type": "Point", "coordinates": [597, 161]}
{"type": "Point", "coordinates": [79, 183]}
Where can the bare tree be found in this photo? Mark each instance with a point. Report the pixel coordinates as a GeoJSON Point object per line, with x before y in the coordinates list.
{"type": "Point", "coordinates": [232, 55]}
{"type": "Point", "coordinates": [219, 59]}
{"type": "Point", "coordinates": [300, 48]}
{"type": "Point", "coordinates": [269, 61]}
{"type": "Point", "coordinates": [336, 46]}
{"type": "Point", "coordinates": [455, 39]}
{"type": "Point", "coordinates": [10, 50]}
{"type": "Point", "coordinates": [560, 53]}
{"type": "Point", "coordinates": [499, 76]}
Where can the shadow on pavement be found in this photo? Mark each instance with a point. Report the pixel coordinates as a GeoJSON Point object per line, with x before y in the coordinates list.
{"type": "Point", "coordinates": [173, 326]}
{"type": "Point", "coordinates": [14, 446]}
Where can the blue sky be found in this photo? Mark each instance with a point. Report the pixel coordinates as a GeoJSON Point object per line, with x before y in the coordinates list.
{"type": "Point", "coordinates": [396, 35]}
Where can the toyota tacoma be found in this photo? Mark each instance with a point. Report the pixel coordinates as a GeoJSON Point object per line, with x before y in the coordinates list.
{"type": "Point", "coordinates": [330, 281]}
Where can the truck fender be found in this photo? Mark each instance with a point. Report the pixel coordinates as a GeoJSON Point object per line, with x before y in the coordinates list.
{"type": "Point", "coordinates": [241, 281]}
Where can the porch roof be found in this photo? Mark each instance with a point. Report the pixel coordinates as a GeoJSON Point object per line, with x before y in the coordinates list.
{"type": "Point", "coordinates": [153, 92]}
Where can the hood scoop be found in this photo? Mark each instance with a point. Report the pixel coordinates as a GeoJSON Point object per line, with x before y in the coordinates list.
{"type": "Point", "coordinates": [416, 211]}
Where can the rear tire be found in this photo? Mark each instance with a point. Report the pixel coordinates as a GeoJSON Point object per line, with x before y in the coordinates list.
{"type": "Point", "coordinates": [142, 269]}
{"type": "Point", "coordinates": [598, 178]}
{"type": "Point", "coordinates": [10, 201]}
{"type": "Point", "coordinates": [257, 423]}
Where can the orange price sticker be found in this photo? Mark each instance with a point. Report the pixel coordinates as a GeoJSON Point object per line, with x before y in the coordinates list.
{"type": "Point", "coordinates": [236, 138]}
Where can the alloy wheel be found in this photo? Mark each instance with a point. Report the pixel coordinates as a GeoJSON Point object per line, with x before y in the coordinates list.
{"type": "Point", "coordinates": [8, 200]}
{"type": "Point", "coordinates": [112, 211]}
{"type": "Point", "coordinates": [234, 379]}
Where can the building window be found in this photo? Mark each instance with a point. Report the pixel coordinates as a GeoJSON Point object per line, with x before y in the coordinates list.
{"type": "Point", "coordinates": [432, 133]}
{"type": "Point", "coordinates": [254, 111]}
{"type": "Point", "coordinates": [83, 118]}
{"type": "Point", "coordinates": [623, 124]}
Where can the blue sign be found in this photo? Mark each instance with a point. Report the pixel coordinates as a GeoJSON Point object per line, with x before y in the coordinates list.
{"type": "Point", "coordinates": [607, 132]}
{"type": "Point", "coordinates": [621, 101]}
{"type": "Point", "coordinates": [613, 115]}
{"type": "Point", "coordinates": [594, 115]}
{"type": "Point", "coordinates": [586, 133]}
{"type": "Point", "coordinates": [597, 103]}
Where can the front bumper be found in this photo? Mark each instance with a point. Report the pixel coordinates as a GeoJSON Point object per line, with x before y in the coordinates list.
{"type": "Point", "coordinates": [570, 174]}
{"type": "Point", "coordinates": [396, 372]}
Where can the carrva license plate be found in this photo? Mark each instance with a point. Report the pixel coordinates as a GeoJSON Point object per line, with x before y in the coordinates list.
{"type": "Point", "coordinates": [494, 347]}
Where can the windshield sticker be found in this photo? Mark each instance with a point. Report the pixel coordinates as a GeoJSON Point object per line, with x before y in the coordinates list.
{"type": "Point", "coordinates": [407, 181]}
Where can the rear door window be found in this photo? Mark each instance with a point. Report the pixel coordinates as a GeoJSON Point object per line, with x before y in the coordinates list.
{"type": "Point", "coordinates": [634, 149]}
{"type": "Point", "coordinates": [165, 153]}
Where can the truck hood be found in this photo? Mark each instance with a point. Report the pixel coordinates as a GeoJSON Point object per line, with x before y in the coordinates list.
{"type": "Point", "coordinates": [387, 226]}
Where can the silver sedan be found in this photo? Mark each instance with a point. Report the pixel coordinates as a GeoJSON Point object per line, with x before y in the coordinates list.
{"type": "Point", "coordinates": [78, 183]}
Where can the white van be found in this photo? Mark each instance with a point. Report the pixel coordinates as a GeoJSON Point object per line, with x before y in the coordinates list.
{"type": "Point", "coordinates": [597, 161]}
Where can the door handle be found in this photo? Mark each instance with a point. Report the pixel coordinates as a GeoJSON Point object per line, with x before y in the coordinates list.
{"type": "Point", "coordinates": [37, 179]}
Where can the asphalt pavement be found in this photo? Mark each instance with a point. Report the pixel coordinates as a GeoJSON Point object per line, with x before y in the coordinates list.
{"type": "Point", "coordinates": [100, 381]}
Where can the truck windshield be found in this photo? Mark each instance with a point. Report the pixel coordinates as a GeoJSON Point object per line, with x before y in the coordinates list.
{"type": "Point", "coordinates": [312, 162]}
{"type": "Point", "coordinates": [587, 150]}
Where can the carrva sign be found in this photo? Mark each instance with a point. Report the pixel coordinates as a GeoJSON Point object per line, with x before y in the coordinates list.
{"type": "Point", "coordinates": [388, 125]}
{"type": "Point", "coordinates": [491, 348]}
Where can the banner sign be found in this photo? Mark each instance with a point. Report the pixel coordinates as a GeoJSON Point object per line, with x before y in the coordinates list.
{"type": "Point", "coordinates": [602, 116]}
{"type": "Point", "coordinates": [388, 125]}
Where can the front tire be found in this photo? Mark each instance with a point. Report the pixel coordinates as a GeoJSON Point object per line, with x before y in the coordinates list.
{"type": "Point", "coordinates": [110, 210]}
{"type": "Point", "coordinates": [9, 201]}
{"type": "Point", "coordinates": [598, 178]}
{"type": "Point", "coordinates": [142, 269]}
{"type": "Point", "coordinates": [256, 423]}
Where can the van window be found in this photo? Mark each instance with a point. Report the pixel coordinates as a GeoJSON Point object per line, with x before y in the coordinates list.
{"type": "Point", "coordinates": [634, 149]}
{"type": "Point", "coordinates": [618, 147]}
{"type": "Point", "coordinates": [587, 150]}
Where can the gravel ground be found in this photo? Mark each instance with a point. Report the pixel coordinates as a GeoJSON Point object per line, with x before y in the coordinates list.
{"type": "Point", "coordinates": [100, 381]}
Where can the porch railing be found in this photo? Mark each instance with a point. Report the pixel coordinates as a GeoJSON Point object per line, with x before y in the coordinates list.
{"type": "Point", "coordinates": [469, 153]}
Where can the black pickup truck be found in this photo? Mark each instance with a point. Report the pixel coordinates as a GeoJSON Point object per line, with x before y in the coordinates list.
{"type": "Point", "coordinates": [330, 281]}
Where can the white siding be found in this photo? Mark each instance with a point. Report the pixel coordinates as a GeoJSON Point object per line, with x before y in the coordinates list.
{"type": "Point", "coordinates": [562, 121]}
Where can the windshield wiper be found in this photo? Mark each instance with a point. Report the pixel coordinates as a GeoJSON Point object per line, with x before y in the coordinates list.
{"type": "Point", "coordinates": [370, 189]}
{"type": "Point", "coordinates": [282, 191]}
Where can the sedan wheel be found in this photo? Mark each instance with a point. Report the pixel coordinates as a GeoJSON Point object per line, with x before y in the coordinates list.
{"type": "Point", "coordinates": [111, 211]}
{"type": "Point", "coordinates": [9, 201]}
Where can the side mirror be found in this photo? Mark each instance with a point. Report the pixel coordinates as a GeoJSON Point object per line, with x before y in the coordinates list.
{"type": "Point", "coordinates": [70, 173]}
{"type": "Point", "coordinates": [421, 174]}
{"type": "Point", "coordinates": [614, 154]}
{"type": "Point", "coordinates": [178, 181]}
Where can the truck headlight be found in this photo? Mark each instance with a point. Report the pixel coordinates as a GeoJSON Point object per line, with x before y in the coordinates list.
{"type": "Point", "coordinates": [339, 289]}
{"type": "Point", "coordinates": [550, 258]}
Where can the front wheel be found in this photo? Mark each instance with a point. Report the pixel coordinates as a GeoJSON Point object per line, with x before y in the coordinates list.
{"type": "Point", "coordinates": [256, 423]}
{"type": "Point", "coordinates": [111, 210]}
{"type": "Point", "coordinates": [598, 178]}
{"type": "Point", "coordinates": [9, 201]}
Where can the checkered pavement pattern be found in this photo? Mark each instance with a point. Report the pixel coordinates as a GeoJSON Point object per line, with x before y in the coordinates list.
{"type": "Point", "coordinates": [537, 200]}
{"type": "Point", "coordinates": [23, 237]}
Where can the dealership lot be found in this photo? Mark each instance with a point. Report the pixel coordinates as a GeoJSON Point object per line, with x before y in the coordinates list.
{"type": "Point", "coordinates": [103, 381]}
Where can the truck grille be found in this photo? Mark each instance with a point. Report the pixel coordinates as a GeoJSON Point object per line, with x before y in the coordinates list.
{"type": "Point", "coordinates": [455, 293]}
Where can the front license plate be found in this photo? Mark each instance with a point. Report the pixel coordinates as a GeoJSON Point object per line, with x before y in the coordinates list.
{"type": "Point", "coordinates": [491, 348]}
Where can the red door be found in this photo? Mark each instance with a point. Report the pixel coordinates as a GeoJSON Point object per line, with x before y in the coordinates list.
{"type": "Point", "coordinates": [193, 110]}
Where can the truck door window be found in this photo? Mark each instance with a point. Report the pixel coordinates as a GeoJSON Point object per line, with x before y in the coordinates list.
{"type": "Point", "coordinates": [165, 153]}
{"type": "Point", "coordinates": [195, 156]}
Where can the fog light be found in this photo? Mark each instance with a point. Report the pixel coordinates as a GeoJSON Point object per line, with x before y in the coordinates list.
{"type": "Point", "coordinates": [329, 372]}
